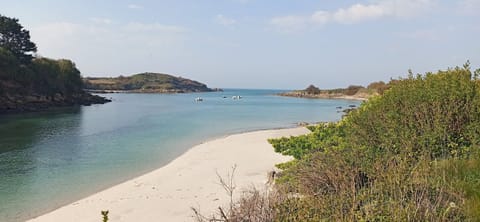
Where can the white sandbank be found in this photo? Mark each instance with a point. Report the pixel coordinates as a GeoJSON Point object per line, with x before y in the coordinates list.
{"type": "Point", "coordinates": [168, 193]}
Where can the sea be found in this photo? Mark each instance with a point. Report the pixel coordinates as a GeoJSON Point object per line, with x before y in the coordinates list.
{"type": "Point", "coordinates": [54, 158]}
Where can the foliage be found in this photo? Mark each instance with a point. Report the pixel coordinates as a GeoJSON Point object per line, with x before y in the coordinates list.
{"type": "Point", "coordinates": [311, 89]}
{"type": "Point", "coordinates": [323, 137]}
{"type": "Point", "coordinates": [33, 84]}
{"type": "Point", "coordinates": [463, 174]}
{"type": "Point", "coordinates": [59, 76]}
{"type": "Point", "coordinates": [436, 114]}
{"type": "Point", "coordinates": [9, 65]}
{"type": "Point", "coordinates": [14, 38]}
{"type": "Point", "coordinates": [22, 75]}
{"type": "Point", "coordinates": [104, 215]}
{"type": "Point", "coordinates": [42, 76]}
{"type": "Point", "coordinates": [408, 155]}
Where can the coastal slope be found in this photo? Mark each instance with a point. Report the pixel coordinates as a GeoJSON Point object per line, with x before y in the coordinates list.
{"type": "Point", "coordinates": [168, 193]}
{"type": "Point", "coordinates": [145, 83]}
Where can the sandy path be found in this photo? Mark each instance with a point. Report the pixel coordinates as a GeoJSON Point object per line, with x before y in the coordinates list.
{"type": "Point", "coordinates": [168, 193]}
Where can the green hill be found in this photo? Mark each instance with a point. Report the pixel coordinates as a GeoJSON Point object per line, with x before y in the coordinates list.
{"type": "Point", "coordinates": [145, 83]}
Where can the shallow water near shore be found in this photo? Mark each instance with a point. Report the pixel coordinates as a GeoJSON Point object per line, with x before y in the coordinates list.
{"type": "Point", "coordinates": [54, 158]}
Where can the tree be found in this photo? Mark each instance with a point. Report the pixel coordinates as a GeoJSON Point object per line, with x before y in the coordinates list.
{"type": "Point", "coordinates": [16, 39]}
{"type": "Point", "coordinates": [311, 89]}
{"type": "Point", "coordinates": [8, 64]}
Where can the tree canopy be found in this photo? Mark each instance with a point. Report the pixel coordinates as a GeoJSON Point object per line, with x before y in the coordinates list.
{"type": "Point", "coordinates": [16, 39]}
{"type": "Point", "coordinates": [311, 89]}
{"type": "Point", "coordinates": [25, 73]}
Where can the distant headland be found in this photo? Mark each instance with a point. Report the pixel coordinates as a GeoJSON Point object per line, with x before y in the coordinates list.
{"type": "Point", "coordinates": [145, 83]}
{"type": "Point", "coordinates": [352, 92]}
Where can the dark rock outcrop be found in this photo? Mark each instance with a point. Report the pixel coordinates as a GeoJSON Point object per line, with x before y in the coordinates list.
{"type": "Point", "coordinates": [17, 103]}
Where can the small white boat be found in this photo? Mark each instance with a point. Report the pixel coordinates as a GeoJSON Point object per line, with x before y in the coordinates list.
{"type": "Point", "coordinates": [198, 99]}
{"type": "Point", "coordinates": [236, 97]}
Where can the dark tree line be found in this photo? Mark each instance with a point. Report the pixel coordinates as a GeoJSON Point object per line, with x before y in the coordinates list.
{"type": "Point", "coordinates": [22, 72]}
{"type": "Point", "coordinates": [16, 39]}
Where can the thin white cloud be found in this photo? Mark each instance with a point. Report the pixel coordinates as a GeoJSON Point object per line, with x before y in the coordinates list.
{"type": "Point", "coordinates": [469, 7]}
{"type": "Point", "coordinates": [290, 23]}
{"type": "Point", "coordinates": [80, 42]}
{"type": "Point", "coordinates": [243, 1]}
{"type": "Point", "coordinates": [320, 17]}
{"type": "Point", "coordinates": [424, 35]}
{"type": "Point", "coordinates": [358, 13]}
{"type": "Point", "coordinates": [223, 20]}
{"type": "Point", "coordinates": [149, 27]}
{"type": "Point", "coordinates": [104, 21]}
{"type": "Point", "coordinates": [355, 13]}
{"type": "Point", "coordinates": [134, 6]}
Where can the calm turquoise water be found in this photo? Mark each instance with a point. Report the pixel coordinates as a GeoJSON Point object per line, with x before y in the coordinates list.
{"type": "Point", "coordinates": [50, 159]}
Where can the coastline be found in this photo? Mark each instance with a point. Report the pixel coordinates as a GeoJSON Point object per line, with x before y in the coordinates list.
{"type": "Point", "coordinates": [16, 104]}
{"type": "Point", "coordinates": [295, 94]}
{"type": "Point", "coordinates": [190, 180]}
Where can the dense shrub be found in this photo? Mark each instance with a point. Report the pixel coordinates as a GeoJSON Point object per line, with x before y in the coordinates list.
{"type": "Point", "coordinates": [42, 76]}
{"type": "Point", "coordinates": [9, 65]}
{"type": "Point", "coordinates": [323, 136]}
{"type": "Point", "coordinates": [435, 114]}
{"type": "Point", "coordinates": [56, 76]}
{"type": "Point", "coordinates": [410, 154]}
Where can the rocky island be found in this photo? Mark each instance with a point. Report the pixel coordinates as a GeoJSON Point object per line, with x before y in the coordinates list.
{"type": "Point", "coordinates": [145, 83]}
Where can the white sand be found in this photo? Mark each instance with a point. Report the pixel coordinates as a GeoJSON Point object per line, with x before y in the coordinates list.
{"type": "Point", "coordinates": [168, 193]}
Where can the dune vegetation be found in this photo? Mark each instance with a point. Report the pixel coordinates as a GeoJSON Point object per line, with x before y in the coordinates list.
{"type": "Point", "coordinates": [410, 154]}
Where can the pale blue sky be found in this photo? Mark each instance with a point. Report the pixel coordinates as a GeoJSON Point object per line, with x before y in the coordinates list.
{"type": "Point", "coordinates": [284, 44]}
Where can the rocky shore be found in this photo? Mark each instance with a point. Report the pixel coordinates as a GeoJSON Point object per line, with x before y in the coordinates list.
{"type": "Point", "coordinates": [303, 94]}
{"type": "Point", "coordinates": [31, 103]}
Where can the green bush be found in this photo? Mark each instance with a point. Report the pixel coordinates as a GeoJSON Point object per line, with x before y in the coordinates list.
{"type": "Point", "coordinates": [435, 114]}
{"type": "Point", "coordinates": [42, 76]}
{"type": "Point", "coordinates": [410, 154]}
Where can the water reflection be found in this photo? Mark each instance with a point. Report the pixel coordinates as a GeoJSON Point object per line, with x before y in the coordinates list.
{"type": "Point", "coordinates": [21, 131]}
{"type": "Point", "coordinates": [50, 159]}
{"type": "Point", "coordinates": [29, 155]}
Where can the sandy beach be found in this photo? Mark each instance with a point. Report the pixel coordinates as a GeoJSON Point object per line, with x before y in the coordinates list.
{"type": "Point", "coordinates": [168, 193]}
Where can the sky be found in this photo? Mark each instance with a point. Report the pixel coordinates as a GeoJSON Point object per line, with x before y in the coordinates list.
{"type": "Point", "coordinates": [271, 44]}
